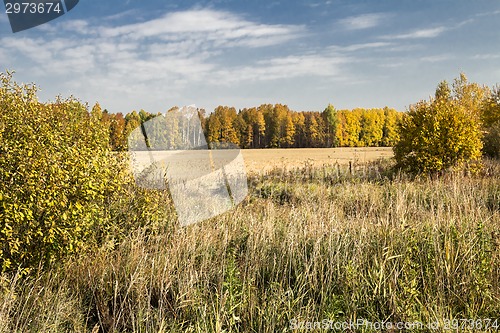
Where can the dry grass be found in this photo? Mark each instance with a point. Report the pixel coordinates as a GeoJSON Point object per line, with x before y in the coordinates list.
{"type": "Point", "coordinates": [264, 160]}
{"type": "Point", "coordinates": [307, 244]}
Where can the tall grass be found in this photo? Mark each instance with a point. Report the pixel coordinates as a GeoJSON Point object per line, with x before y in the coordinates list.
{"type": "Point", "coordinates": [306, 245]}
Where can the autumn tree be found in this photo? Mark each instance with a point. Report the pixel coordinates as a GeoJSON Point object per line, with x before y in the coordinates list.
{"type": "Point", "coordinates": [117, 132]}
{"type": "Point", "coordinates": [281, 126]}
{"type": "Point", "coordinates": [55, 176]}
{"type": "Point", "coordinates": [490, 118]}
{"type": "Point", "coordinates": [299, 119]}
{"type": "Point", "coordinates": [469, 95]}
{"type": "Point", "coordinates": [314, 129]}
{"type": "Point", "coordinates": [272, 125]}
{"type": "Point", "coordinates": [353, 127]}
{"type": "Point", "coordinates": [254, 118]}
{"type": "Point", "coordinates": [246, 132]}
{"type": "Point", "coordinates": [132, 121]}
{"type": "Point", "coordinates": [438, 135]}
{"type": "Point", "coordinates": [390, 134]}
{"type": "Point", "coordinates": [341, 134]}
{"type": "Point", "coordinates": [371, 127]}
{"type": "Point", "coordinates": [221, 126]}
{"type": "Point", "coordinates": [276, 126]}
{"type": "Point", "coordinates": [288, 137]}
{"type": "Point", "coordinates": [242, 131]}
{"type": "Point", "coordinates": [145, 116]}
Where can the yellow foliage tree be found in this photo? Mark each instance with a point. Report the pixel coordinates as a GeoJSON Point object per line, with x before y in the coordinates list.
{"type": "Point", "coordinates": [54, 176]}
{"type": "Point", "coordinates": [438, 135]}
{"type": "Point", "coordinates": [490, 118]}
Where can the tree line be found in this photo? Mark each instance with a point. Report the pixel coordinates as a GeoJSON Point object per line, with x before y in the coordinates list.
{"type": "Point", "coordinates": [273, 126]}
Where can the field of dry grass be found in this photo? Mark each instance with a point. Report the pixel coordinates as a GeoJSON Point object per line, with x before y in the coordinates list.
{"type": "Point", "coordinates": [312, 244]}
{"type": "Point", "coordinates": [259, 160]}
{"type": "Point", "coordinates": [264, 160]}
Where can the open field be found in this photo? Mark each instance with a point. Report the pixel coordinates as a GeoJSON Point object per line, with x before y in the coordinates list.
{"type": "Point", "coordinates": [259, 160]}
{"type": "Point", "coordinates": [263, 160]}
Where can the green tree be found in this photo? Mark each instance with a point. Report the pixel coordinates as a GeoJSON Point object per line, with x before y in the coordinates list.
{"type": "Point", "coordinates": [145, 116]}
{"type": "Point", "coordinates": [492, 140]}
{"type": "Point", "coordinates": [331, 122]}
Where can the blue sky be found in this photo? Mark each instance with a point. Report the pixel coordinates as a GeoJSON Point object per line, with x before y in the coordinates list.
{"type": "Point", "coordinates": [156, 54]}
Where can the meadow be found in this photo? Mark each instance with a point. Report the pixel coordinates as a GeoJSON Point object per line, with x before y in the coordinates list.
{"type": "Point", "coordinates": [314, 242]}
{"type": "Point", "coordinates": [264, 160]}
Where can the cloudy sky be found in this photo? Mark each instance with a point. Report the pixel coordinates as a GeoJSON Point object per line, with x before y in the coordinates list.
{"type": "Point", "coordinates": [155, 54]}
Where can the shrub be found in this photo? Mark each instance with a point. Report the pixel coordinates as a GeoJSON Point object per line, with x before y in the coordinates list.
{"type": "Point", "coordinates": [491, 122]}
{"type": "Point", "coordinates": [438, 135]}
{"type": "Point", "coordinates": [492, 140]}
{"type": "Point", "coordinates": [54, 176]}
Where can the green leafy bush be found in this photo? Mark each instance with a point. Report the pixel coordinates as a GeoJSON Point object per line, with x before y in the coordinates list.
{"type": "Point", "coordinates": [54, 176]}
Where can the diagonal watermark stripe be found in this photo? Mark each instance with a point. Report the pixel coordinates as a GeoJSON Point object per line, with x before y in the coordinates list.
{"type": "Point", "coordinates": [170, 151]}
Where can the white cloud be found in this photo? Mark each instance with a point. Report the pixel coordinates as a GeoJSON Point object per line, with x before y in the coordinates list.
{"type": "Point", "coordinates": [178, 44]}
{"type": "Point", "coordinates": [420, 33]}
{"type": "Point", "coordinates": [362, 46]}
{"type": "Point", "coordinates": [364, 21]}
{"type": "Point", "coordinates": [28, 47]}
{"type": "Point", "coordinates": [121, 15]}
{"type": "Point", "coordinates": [486, 56]}
{"type": "Point", "coordinates": [496, 12]}
{"type": "Point", "coordinates": [318, 4]}
{"type": "Point", "coordinates": [219, 27]}
{"type": "Point", "coordinates": [318, 65]}
{"type": "Point", "coordinates": [437, 58]}
{"type": "Point", "coordinates": [398, 64]}
{"type": "Point", "coordinates": [79, 26]}
{"type": "Point", "coordinates": [157, 59]}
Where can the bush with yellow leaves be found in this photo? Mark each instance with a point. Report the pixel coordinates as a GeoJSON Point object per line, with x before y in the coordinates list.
{"type": "Point", "coordinates": [54, 176]}
{"type": "Point", "coordinates": [439, 135]}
